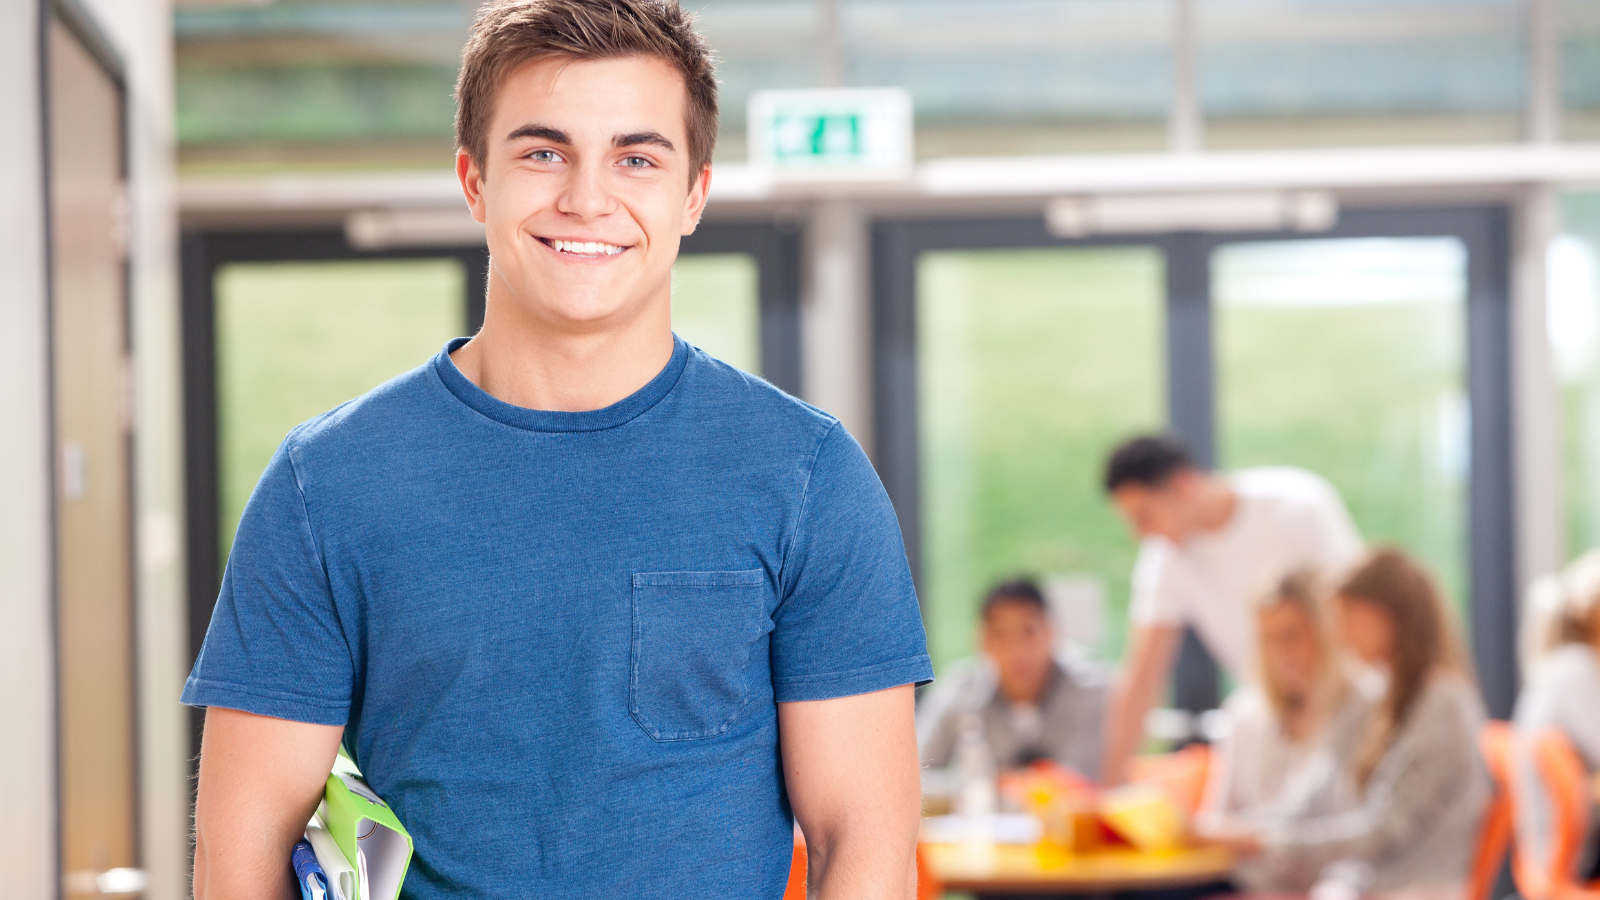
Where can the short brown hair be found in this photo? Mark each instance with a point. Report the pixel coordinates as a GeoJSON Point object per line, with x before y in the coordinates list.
{"type": "Point", "coordinates": [509, 33]}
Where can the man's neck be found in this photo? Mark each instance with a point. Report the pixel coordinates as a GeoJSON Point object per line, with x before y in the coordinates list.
{"type": "Point", "coordinates": [1217, 504]}
{"type": "Point", "coordinates": [531, 365]}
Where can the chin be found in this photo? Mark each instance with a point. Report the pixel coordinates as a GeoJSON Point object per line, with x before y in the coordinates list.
{"type": "Point", "coordinates": [586, 304]}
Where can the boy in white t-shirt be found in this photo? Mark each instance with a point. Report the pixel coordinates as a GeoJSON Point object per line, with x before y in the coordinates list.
{"type": "Point", "coordinates": [1210, 544]}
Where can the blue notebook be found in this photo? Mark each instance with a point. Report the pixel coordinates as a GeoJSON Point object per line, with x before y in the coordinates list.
{"type": "Point", "coordinates": [308, 872]}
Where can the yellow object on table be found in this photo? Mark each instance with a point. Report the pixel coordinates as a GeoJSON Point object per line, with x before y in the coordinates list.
{"type": "Point", "coordinates": [1044, 868]}
{"type": "Point", "coordinates": [1145, 815]}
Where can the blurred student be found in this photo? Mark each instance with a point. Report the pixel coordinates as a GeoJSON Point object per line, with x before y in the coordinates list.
{"type": "Point", "coordinates": [1419, 788]}
{"type": "Point", "coordinates": [1032, 705]}
{"type": "Point", "coordinates": [1209, 544]}
{"type": "Point", "coordinates": [1302, 721]}
{"type": "Point", "coordinates": [1563, 693]}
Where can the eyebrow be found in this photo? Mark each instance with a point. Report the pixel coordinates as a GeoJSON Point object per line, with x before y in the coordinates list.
{"type": "Point", "coordinates": [541, 132]}
{"type": "Point", "coordinates": [640, 138]}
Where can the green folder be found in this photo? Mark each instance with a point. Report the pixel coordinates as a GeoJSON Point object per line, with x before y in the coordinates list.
{"type": "Point", "coordinates": [366, 831]}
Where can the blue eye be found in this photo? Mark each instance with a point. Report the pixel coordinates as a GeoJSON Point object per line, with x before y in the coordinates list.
{"type": "Point", "coordinates": [636, 162]}
{"type": "Point", "coordinates": [544, 156]}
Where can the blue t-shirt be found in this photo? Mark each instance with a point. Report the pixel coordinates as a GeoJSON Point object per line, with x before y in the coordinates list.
{"type": "Point", "coordinates": [556, 640]}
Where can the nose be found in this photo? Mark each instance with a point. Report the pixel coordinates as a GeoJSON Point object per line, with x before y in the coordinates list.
{"type": "Point", "coordinates": [584, 196]}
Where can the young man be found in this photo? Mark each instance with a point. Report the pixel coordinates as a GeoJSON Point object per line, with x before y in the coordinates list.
{"type": "Point", "coordinates": [593, 611]}
{"type": "Point", "coordinates": [1210, 546]}
{"type": "Point", "coordinates": [1032, 704]}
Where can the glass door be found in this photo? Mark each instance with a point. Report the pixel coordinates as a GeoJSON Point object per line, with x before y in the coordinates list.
{"type": "Point", "coordinates": [93, 436]}
{"type": "Point", "coordinates": [1348, 357]}
{"type": "Point", "coordinates": [1031, 364]}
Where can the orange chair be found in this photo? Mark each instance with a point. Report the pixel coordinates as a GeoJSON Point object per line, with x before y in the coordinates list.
{"type": "Point", "coordinates": [928, 886]}
{"type": "Point", "coordinates": [796, 889]}
{"type": "Point", "coordinates": [1182, 774]}
{"type": "Point", "coordinates": [1494, 742]}
{"type": "Point", "coordinates": [1565, 782]}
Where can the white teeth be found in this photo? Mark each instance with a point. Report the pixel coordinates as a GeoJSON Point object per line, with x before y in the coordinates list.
{"type": "Point", "coordinates": [590, 247]}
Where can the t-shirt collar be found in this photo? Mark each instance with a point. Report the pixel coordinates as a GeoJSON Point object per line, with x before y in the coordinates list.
{"type": "Point", "coordinates": [621, 412]}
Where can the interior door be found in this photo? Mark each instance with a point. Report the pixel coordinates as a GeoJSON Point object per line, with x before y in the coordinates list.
{"type": "Point", "coordinates": [99, 800]}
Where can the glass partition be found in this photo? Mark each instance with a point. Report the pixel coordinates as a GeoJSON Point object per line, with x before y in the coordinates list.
{"type": "Point", "coordinates": [1574, 328]}
{"type": "Point", "coordinates": [1578, 22]}
{"type": "Point", "coordinates": [296, 339]}
{"type": "Point", "coordinates": [1031, 365]}
{"type": "Point", "coordinates": [716, 306]}
{"type": "Point", "coordinates": [1355, 72]}
{"type": "Point", "coordinates": [1003, 77]}
{"type": "Point", "coordinates": [1347, 357]}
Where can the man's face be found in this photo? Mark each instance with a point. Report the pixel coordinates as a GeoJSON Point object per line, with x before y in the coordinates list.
{"type": "Point", "coordinates": [585, 189]}
{"type": "Point", "coordinates": [1157, 511]}
{"type": "Point", "coordinates": [1016, 636]}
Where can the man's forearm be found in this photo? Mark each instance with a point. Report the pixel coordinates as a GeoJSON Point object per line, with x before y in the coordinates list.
{"type": "Point", "coordinates": [260, 781]}
{"type": "Point", "coordinates": [1122, 733]}
{"type": "Point", "coordinates": [881, 867]}
{"type": "Point", "coordinates": [1149, 663]}
{"type": "Point", "coordinates": [255, 871]}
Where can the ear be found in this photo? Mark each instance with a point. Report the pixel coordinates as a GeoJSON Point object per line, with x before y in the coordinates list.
{"type": "Point", "coordinates": [695, 205]}
{"type": "Point", "coordinates": [471, 178]}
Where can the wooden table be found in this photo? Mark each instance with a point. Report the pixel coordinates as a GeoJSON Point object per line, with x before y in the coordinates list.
{"type": "Point", "coordinates": [1016, 868]}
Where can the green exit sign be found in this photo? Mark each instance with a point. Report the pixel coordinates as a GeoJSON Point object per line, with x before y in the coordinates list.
{"type": "Point", "coordinates": [842, 134]}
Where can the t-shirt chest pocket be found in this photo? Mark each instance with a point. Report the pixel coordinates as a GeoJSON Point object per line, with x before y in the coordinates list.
{"type": "Point", "coordinates": [692, 636]}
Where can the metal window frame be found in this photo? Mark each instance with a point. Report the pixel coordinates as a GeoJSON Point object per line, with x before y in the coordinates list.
{"type": "Point", "coordinates": [1484, 231]}
{"type": "Point", "coordinates": [776, 248]}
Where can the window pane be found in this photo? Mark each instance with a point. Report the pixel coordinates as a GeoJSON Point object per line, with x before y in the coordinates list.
{"type": "Point", "coordinates": [1574, 317]}
{"type": "Point", "coordinates": [1005, 77]}
{"type": "Point", "coordinates": [716, 306]}
{"type": "Point", "coordinates": [1307, 72]}
{"type": "Point", "coordinates": [1579, 24]}
{"type": "Point", "coordinates": [1346, 357]}
{"type": "Point", "coordinates": [297, 339]}
{"type": "Point", "coordinates": [1031, 365]}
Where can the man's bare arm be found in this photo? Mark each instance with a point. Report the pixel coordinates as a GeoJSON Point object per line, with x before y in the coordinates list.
{"type": "Point", "coordinates": [850, 765]}
{"type": "Point", "coordinates": [1149, 662]}
{"type": "Point", "coordinates": [260, 781]}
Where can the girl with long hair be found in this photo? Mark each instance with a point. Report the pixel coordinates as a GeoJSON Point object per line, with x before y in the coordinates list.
{"type": "Point", "coordinates": [1417, 785]}
{"type": "Point", "coordinates": [1300, 719]}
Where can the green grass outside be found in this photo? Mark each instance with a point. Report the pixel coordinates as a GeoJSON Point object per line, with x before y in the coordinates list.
{"type": "Point", "coordinates": [297, 339]}
{"type": "Point", "coordinates": [1371, 398]}
{"type": "Point", "coordinates": [1032, 363]}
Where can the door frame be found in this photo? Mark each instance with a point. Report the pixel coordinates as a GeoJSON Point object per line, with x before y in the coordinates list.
{"type": "Point", "coordinates": [1485, 233]}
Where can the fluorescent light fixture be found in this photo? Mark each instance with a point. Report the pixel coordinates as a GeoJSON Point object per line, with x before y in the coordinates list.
{"type": "Point", "coordinates": [1158, 213]}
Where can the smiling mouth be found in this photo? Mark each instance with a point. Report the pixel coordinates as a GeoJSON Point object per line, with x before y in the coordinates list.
{"type": "Point", "coordinates": [592, 249]}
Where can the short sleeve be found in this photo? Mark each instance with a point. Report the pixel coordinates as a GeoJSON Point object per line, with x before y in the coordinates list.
{"type": "Point", "coordinates": [847, 620]}
{"type": "Point", "coordinates": [275, 646]}
{"type": "Point", "coordinates": [1331, 534]}
{"type": "Point", "coordinates": [1155, 600]}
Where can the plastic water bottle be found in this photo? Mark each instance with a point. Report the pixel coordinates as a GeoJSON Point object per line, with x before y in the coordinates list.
{"type": "Point", "coordinates": [976, 800]}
